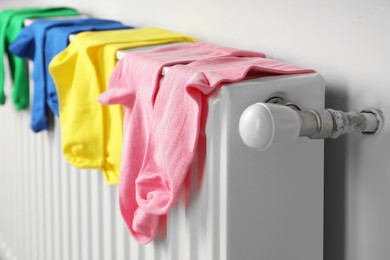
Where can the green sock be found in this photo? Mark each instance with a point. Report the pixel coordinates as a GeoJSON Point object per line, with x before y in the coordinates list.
{"type": "Point", "coordinates": [11, 22]}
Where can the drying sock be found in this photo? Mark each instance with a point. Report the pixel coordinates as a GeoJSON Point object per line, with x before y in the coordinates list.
{"type": "Point", "coordinates": [174, 133]}
{"type": "Point", "coordinates": [134, 84]}
{"type": "Point", "coordinates": [11, 23]}
{"type": "Point", "coordinates": [33, 42]}
{"type": "Point", "coordinates": [92, 133]}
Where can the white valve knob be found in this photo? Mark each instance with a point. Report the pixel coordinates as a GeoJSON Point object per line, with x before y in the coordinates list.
{"type": "Point", "coordinates": [263, 124]}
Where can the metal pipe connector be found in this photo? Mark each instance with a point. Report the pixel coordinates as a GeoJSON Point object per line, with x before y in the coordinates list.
{"type": "Point", "coordinates": [330, 123]}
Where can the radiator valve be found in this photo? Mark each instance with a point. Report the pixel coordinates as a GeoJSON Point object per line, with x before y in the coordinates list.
{"type": "Point", "coordinates": [278, 121]}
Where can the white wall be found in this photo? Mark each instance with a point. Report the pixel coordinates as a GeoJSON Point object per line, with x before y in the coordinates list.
{"type": "Point", "coordinates": [348, 42]}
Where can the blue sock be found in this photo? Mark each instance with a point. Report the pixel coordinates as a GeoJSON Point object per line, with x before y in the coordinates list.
{"type": "Point", "coordinates": [40, 42]}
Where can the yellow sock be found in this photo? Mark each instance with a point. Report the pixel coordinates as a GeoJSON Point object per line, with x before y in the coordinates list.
{"type": "Point", "coordinates": [92, 134]}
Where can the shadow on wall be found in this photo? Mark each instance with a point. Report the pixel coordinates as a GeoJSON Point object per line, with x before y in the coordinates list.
{"type": "Point", "coordinates": [335, 183]}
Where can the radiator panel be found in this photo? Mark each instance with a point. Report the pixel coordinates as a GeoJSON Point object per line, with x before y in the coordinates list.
{"type": "Point", "coordinates": [51, 210]}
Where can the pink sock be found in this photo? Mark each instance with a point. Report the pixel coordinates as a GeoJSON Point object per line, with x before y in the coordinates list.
{"type": "Point", "coordinates": [134, 84]}
{"type": "Point", "coordinates": [175, 126]}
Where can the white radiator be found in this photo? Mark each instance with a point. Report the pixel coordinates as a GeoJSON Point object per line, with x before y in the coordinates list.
{"type": "Point", "coordinates": [248, 205]}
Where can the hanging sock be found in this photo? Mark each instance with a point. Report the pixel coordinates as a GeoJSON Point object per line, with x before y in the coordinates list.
{"type": "Point", "coordinates": [134, 84]}
{"type": "Point", "coordinates": [174, 133]}
{"type": "Point", "coordinates": [11, 22]}
{"type": "Point", "coordinates": [176, 124]}
{"type": "Point", "coordinates": [92, 133]}
{"type": "Point", "coordinates": [34, 42]}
